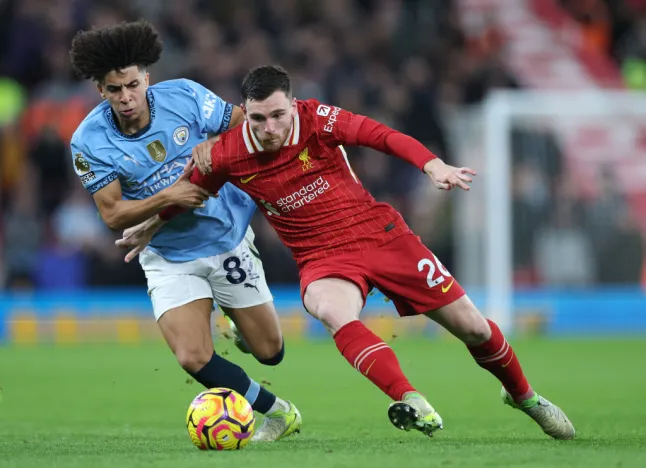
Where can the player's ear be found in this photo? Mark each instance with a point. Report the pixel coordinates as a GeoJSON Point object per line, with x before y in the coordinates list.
{"type": "Point", "coordinates": [244, 109]}
{"type": "Point", "coordinates": [294, 105]}
{"type": "Point", "coordinates": [100, 88]}
{"type": "Point", "coordinates": [147, 79]}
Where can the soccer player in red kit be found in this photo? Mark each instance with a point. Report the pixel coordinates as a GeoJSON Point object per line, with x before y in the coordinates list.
{"type": "Point", "coordinates": [288, 156]}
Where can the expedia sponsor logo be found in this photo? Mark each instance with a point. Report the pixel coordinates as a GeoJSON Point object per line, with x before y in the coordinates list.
{"type": "Point", "coordinates": [329, 126]}
{"type": "Point", "coordinates": [323, 111]}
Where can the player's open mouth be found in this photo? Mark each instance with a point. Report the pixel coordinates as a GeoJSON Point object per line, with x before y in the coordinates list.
{"type": "Point", "coordinates": [127, 113]}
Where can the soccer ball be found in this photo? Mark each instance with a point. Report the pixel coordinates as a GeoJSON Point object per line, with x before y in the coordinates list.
{"type": "Point", "coordinates": [220, 419]}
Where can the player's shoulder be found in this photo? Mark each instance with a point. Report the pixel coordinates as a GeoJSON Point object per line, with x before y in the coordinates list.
{"type": "Point", "coordinates": [232, 142]}
{"type": "Point", "coordinates": [180, 85]}
{"type": "Point", "coordinates": [175, 91]}
{"type": "Point", "coordinates": [93, 128]}
{"type": "Point", "coordinates": [313, 108]}
{"type": "Point", "coordinates": [316, 116]}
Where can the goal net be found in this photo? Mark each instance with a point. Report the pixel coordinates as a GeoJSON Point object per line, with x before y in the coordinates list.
{"type": "Point", "coordinates": [558, 210]}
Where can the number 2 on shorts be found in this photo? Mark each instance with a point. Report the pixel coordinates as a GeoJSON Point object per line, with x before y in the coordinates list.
{"type": "Point", "coordinates": [431, 271]}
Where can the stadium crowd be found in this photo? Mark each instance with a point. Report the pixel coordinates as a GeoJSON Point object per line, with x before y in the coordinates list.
{"type": "Point", "coordinates": [399, 61]}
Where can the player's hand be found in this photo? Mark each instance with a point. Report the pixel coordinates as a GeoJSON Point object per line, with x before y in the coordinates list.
{"type": "Point", "coordinates": [202, 155]}
{"type": "Point", "coordinates": [446, 177]}
{"type": "Point", "coordinates": [189, 166]}
{"type": "Point", "coordinates": [186, 194]}
{"type": "Point", "coordinates": [138, 237]}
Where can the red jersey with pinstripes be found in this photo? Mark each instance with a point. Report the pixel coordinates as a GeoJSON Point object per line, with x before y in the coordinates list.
{"type": "Point", "coordinates": [307, 190]}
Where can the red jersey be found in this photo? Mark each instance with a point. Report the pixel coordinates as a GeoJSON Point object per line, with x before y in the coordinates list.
{"type": "Point", "coordinates": [307, 190]}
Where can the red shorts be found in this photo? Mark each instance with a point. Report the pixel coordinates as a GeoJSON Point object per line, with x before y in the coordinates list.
{"type": "Point", "coordinates": [404, 270]}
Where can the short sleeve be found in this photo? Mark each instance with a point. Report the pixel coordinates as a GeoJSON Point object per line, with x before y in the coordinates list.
{"type": "Point", "coordinates": [214, 112]}
{"type": "Point", "coordinates": [93, 172]}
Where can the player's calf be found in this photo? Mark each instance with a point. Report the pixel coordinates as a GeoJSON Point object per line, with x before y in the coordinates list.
{"type": "Point", "coordinates": [337, 303]}
{"type": "Point", "coordinates": [463, 320]}
{"type": "Point", "coordinates": [238, 339]}
{"type": "Point", "coordinates": [497, 356]}
{"type": "Point", "coordinates": [220, 372]}
{"type": "Point", "coordinates": [268, 350]}
{"type": "Point", "coordinates": [187, 330]}
{"type": "Point", "coordinates": [213, 371]}
{"type": "Point", "coordinates": [256, 330]}
{"type": "Point", "coordinates": [192, 358]}
{"type": "Point", "coordinates": [273, 360]}
{"type": "Point", "coordinates": [486, 343]}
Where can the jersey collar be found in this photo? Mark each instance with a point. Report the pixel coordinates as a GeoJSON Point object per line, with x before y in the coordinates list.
{"type": "Point", "coordinates": [254, 146]}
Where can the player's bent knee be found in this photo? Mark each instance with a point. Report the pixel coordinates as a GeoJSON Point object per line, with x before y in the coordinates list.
{"type": "Point", "coordinates": [267, 349]}
{"type": "Point", "coordinates": [464, 321]}
{"type": "Point", "coordinates": [334, 302]}
{"type": "Point", "coordinates": [193, 359]}
{"type": "Point", "coordinates": [477, 331]}
{"type": "Point", "coordinates": [274, 356]}
{"type": "Point", "coordinates": [334, 317]}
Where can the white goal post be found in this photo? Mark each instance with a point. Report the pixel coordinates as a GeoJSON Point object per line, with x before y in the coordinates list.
{"type": "Point", "coordinates": [483, 218]}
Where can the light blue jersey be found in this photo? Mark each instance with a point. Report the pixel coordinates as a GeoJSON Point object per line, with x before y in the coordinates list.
{"type": "Point", "coordinates": [182, 112]}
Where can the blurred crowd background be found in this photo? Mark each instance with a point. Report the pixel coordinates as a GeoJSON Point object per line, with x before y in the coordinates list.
{"type": "Point", "coordinates": [403, 62]}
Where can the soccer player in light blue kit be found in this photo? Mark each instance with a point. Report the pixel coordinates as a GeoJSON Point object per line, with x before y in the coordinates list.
{"type": "Point", "coordinates": [130, 153]}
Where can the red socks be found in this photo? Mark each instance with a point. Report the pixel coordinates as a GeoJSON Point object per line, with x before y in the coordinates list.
{"type": "Point", "coordinates": [497, 356]}
{"type": "Point", "coordinates": [373, 358]}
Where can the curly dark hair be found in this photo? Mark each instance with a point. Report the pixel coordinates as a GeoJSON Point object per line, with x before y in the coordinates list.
{"type": "Point", "coordinates": [96, 53]}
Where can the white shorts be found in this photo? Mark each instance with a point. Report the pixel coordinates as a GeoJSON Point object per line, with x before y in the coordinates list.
{"type": "Point", "coordinates": [234, 279]}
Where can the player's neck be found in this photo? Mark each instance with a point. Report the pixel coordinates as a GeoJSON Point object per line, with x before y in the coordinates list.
{"type": "Point", "coordinates": [130, 127]}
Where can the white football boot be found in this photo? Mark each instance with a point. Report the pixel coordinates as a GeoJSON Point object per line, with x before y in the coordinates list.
{"type": "Point", "coordinates": [550, 417]}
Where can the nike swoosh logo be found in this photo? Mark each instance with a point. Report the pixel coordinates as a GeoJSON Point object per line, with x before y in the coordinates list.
{"type": "Point", "coordinates": [508, 362]}
{"type": "Point", "coordinates": [245, 180]}
{"type": "Point", "coordinates": [445, 290]}
{"type": "Point", "coordinates": [369, 367]}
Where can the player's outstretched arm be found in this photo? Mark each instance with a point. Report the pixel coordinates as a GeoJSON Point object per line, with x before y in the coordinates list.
{"type": "Point", "coordinates": [121, 214]}
{"type": "Point", "coordinates": [382, 138]}
{"type": "Point", "coordinates": [137, 237]}
{"type": "Point", "coordinates": [211, 183]}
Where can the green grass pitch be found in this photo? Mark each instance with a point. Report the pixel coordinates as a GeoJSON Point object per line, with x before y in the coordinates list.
{"type": "Point", "coordinates": [124, 406]}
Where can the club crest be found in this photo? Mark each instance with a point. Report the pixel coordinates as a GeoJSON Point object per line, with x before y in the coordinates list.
{"type": "Point", "coordinates": [180, 135]}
